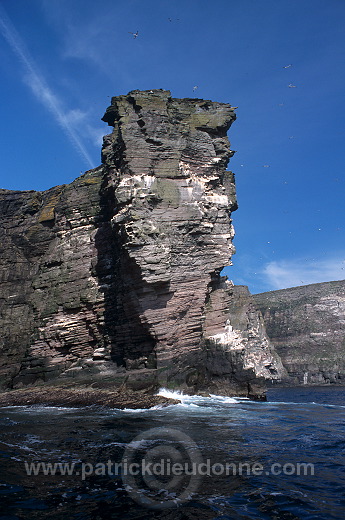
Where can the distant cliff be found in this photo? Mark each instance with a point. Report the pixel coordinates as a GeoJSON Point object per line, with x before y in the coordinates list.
{"type": "Point", "coordinates": [307, 327]}
{"type": "Point", "coordinates": [116, 276]}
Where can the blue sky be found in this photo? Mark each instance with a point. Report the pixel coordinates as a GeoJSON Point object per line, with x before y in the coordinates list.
{"type": "Point", "coordinates": [62, 61]}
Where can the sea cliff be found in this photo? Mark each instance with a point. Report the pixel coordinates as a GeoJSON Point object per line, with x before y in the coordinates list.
{"type": "Point", "coordinates": [306, 324]}
{"type": "Point", "coordinates": [115, 278]}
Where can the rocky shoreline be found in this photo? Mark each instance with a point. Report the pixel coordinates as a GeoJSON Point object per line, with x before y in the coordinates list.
{"type": "Point", "coordinates": [80, 397]}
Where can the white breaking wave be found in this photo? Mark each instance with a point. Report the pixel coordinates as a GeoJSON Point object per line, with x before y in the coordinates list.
{"type": "Point", "coordinates": [226, 399]}
{"type": "Point", "coordinates": [138, 410]}
{"type": "Point", "coordinates": [186, 400]}
{"type": "Point", "coordinates": [177, 394]}
{"type": "Point", "coordinates": [189, 400]}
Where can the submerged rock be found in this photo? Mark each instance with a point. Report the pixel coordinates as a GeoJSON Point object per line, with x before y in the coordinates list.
{"type": "Point", "coordinates": [119, 271]}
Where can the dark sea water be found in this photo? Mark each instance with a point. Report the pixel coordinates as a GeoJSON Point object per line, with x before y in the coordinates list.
{"type": "Point", "coordinates": [285, 459]}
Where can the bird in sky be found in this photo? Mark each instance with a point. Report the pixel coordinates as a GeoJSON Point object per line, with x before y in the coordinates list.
{"type": "Point", "coordinates": [135, 35]}
{"type": "Point", "coordinates": [287, 66]}
{"type": "Point", "coordinates": [291, 86]}
{"type": "Point", "coordinates": [194, 88]}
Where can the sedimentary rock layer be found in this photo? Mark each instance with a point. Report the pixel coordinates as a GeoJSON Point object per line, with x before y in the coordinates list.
{"type": "Point", "coordinates": [118, 273]}
{"type": "Point", "coordinates": [307, 326]}
{"type": "Point", "coordinates": [51, 305]}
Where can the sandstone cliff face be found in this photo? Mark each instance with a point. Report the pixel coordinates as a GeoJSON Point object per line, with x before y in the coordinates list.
{"type": "Point", "coordinates": [51, 306]}
{"type": "Point", "coordinates": [117, 274]}
{"type": "Point", "coordinates": [307, 326]}
{"type": "Point", "coordinates": [242, 344]}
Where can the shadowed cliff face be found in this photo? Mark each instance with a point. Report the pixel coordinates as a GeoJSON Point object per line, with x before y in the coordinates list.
{"type": "Point", "coordinates": [51, 307]}
{"type": "Point", "coordinates": [120, 269]}
{"type": "Point", "coordinates": [165, 163]}
{"type": "Point", "coordinates": [307, 326]}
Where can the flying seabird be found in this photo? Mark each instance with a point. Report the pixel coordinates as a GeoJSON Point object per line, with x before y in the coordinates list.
{"type": "Point", "coordinates": [291, 86]}
{"type": "Point", "coordinates": [135, 35]}
{"type": "Point", "coordinates": [194, 88]}
{"type": "Point", "coordinates": [287, 66]}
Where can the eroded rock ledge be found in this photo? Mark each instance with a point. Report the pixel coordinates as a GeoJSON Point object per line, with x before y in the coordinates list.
{"type": "Point", "coordinates": [117, 275]}
{"type": "Point", "coordinates": [80, 397]}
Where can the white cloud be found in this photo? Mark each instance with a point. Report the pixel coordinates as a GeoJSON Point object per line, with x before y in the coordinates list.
{"type": "Point", "coordinates": [290, 273]}
{"type": "Point", "coordinates": [96, 134]}
{"type": "Point", "coordinates": [75, 116]}
{"type": "Point", "coordinates": [82, 37]}
{"type": "Point", "coordinates": [95, 37]}
{"type": "Point", "coordinates": [36, 82]}
{"type": "Point", "coordinates": [79, 119]}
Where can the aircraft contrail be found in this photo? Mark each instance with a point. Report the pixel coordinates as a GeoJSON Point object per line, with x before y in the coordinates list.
{"type": "Point", "coordinates": [38, 84]}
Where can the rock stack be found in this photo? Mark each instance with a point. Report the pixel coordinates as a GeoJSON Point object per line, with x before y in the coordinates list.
{"type": "Point", "coordinates": [118, 273]}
